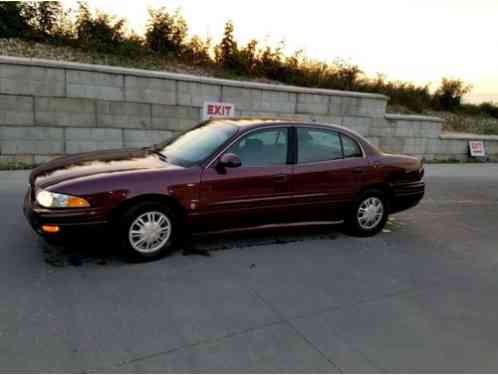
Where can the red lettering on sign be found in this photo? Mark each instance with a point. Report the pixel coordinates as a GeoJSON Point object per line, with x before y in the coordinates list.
{"type": "Point", "coordinates": [218, 110]}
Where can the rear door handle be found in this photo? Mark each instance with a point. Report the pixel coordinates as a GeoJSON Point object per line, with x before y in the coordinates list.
{"type": "Point", "coordinates": [359, 170]}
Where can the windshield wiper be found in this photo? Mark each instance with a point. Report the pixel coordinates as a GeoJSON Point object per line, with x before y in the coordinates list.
{"type": "Point", "coordinates": [153, 150]}
{"type": "Point", "coordinates": [160, 154]}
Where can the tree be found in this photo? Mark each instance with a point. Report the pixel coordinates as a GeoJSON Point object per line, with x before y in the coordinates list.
{"type": "Point", "coordinates": [100, 33]}
{"type": "Point", "coordinates": [166, 33]}
{"type": "Point", "coordinates": [14, 20]}
{"type": "Point", "coordinates": [248, 58]}
{"type": "Point", "coordinates": [46, 15]}
{"type": "Point", "coordinates": [227, 51]}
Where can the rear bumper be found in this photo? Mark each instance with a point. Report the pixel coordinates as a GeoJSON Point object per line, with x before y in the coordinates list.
{"type": "Point", "coordinates": [77, 223]}
{"type": "Point", "coordinates": [407, 195]}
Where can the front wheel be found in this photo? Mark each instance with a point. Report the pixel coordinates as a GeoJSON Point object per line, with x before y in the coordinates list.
{"type": "Point", "coordinates": [369, 214]}
{"type": "Point", "coordinates": [147, 231]}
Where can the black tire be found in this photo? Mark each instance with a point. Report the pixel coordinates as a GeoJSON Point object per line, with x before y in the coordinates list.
{"type": "Point", "coordinates": [353, 224]}
{"type": "Point", "coordinates": [129, 218]}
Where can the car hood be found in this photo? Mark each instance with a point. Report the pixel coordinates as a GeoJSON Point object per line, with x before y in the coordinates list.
{"type": "Point", "coordinates": [94, 163]}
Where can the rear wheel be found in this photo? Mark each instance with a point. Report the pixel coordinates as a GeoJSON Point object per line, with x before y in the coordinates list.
{"type": "Point", "coordinates": [148, 231]}
{"type": "Point", "coordinates": [369, 214]}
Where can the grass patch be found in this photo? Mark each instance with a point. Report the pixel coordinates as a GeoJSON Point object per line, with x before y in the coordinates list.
{"type": "Point", "coordinates": [15, 166]}
{"type": "Point", "coordinates": [458, 122]}
{"type": "Point", "coordinates": [470, 160]}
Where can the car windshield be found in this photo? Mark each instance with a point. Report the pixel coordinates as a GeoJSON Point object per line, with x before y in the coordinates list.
{"type": "Point", "coordinates": [196, 145]}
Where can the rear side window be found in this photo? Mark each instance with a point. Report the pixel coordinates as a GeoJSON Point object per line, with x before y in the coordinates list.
{"type": "Point", "coordinates": [315, 145]}
{"type": "Point", "coordinates": [351, 148]}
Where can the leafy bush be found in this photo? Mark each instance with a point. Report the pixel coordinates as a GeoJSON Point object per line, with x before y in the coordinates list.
{"type": "Point", "coordinates": [414, 98]}
{"type": "Point", "coordinates": [448, 96]}
{"type": "Point", "coordinates": [197, 52]}
{"type": "Point", "coordinates": [489, 108]}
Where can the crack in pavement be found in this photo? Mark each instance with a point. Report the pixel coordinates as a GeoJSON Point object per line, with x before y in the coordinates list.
{"type": "Point", "coordinates": [196, 344]}
{"type": "Point", "coordinates": [296, 331]}
{"type": "Point", "coordinates": [430, 201]}
{"type": "Point", "coordinates": [287, 321]}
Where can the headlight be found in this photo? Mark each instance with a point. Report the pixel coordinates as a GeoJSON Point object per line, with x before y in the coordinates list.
{"type": "Point", "coordinates": [56, 200]}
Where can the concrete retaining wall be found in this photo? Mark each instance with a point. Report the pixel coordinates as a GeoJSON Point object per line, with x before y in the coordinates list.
{"type": "Point", "coordinates": [50, 108]}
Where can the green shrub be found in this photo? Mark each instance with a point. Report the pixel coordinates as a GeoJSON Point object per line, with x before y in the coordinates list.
{"type": "Point", "coordinates": [414, 97]}
{"type": "Point", "coordinates": [489, 109]}
{"type": "Point", "coordinates": [448, 96]}
{"type": "Point", "coordinates": [197, 51]}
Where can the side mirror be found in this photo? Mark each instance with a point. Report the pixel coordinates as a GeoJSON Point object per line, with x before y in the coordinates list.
{"type": "Point", "coordinates": [228, 161]}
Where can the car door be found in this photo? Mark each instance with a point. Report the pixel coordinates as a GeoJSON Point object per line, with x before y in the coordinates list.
{"type": "Point", "coordinates": [327, 173]}
{"type": "Point", "coordinates": [256, 193]}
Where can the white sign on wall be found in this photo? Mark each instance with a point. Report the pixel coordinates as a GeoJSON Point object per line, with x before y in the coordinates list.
{"type": "Point", "coordinates": [216, 109]}
{"type": "Point", "coordinates": [477, 148]}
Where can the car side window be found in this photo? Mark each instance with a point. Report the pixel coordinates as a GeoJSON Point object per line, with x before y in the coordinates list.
{"type": "Point", "coordinates": [262, 148]}
{"type": "Point", "coordinates": [317, 145]}
{"type": "Point", "coordinates": [351, 147]}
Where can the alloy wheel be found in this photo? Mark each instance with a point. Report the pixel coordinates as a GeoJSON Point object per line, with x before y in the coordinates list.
{"type": "Point", "coordinates": [370, 213]}
{"type": "Point", "coordinates": [149, 232]}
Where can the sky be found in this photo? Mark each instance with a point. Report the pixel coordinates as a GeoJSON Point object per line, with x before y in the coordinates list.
{"type": "Point", "coordinates": [411, 40]}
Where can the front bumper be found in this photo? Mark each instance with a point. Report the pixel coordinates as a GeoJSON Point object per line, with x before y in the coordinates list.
{"type": "Point", "coordinates": [72, 222]}
{"type": "Point", "coordinates": [407, 195]}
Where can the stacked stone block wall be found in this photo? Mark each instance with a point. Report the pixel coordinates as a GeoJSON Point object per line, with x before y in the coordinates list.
{"type": "Point", "coordinates": [49, 108]}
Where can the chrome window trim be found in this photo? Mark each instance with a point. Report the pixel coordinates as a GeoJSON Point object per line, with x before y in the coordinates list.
{"type": "Point", "coordinates": [295, 125]}
{"type": "Point", "coordinates": [363, 153]}
{"type": "Point", "coordinates": [326, 161]}
{"type": "Point", "coordinates": [329, 128]}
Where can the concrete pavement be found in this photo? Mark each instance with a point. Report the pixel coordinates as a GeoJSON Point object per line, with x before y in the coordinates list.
{"type": "Point", "coordinates": [419, 296]}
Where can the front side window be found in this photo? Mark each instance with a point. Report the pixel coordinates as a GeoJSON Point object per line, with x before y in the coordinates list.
{"type": "Point", "coordinates": [198, 144]}
{"type": "Point", "coordinates": [315, 145]}
{"type": "Point", "coordinates": [262, 148]}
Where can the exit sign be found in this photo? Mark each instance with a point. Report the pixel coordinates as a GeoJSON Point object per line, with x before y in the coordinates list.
{"type": "Point", "coordinates": [477, 148]}
{"type": "Point", "coordinates": [217, 109]}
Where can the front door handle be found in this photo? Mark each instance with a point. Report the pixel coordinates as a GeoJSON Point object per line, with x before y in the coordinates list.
{"type": "Point", "coordinates": [281, 178]}
{"type": "Point", "coordinates": [359, 170]}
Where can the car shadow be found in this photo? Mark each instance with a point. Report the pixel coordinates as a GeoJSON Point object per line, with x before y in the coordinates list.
{"type": "Point", "coordinates": [103, 252]}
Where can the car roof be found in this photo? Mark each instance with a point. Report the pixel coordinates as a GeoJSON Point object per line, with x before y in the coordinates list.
{"type": "Point", "coordinates": [253, 122]}
{"type": "Point", "coordinates": [247, 121]}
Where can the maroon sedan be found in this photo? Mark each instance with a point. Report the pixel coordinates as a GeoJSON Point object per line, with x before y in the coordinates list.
{"type": "Point", "coordinates": [224, 174]}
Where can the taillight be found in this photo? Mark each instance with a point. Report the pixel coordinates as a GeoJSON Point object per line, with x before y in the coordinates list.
{"type": "Point", "coordinates": [421, 170]}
